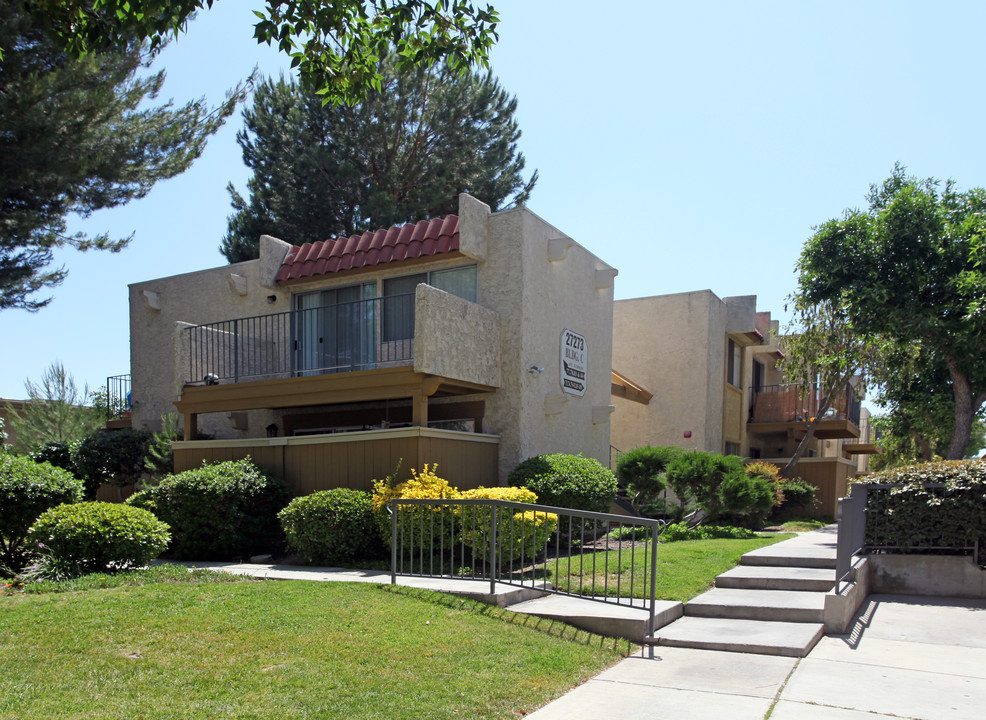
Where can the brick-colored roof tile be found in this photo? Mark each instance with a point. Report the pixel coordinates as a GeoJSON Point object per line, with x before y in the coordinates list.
{"type": "Point", "coordinates": [421, 239]}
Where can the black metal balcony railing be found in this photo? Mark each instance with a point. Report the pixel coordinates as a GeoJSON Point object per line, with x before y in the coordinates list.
{"type": "Point", "coordinates": [117, 396]}
{"type": "Point", "coordinates": [795, 403]}
{"type": "Point", "coordinates": [348, 336]}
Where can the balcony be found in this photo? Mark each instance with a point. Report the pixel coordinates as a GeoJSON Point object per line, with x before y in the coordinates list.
{"type": "Point", "coordinates": [118, 402]}
{"type": "Point", "coordinates": [780, 408]}
{"type": "Point", "coordinates": [418, 345]}
{"type": "Point", "coordinates": [345, 337]}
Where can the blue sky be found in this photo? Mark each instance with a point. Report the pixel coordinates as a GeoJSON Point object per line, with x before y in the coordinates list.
{"type": "Point", "coordinates": [690, 145]}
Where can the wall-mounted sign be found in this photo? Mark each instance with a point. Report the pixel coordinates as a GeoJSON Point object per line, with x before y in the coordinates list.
{"type": "Point", "coordinates": [573, 363]}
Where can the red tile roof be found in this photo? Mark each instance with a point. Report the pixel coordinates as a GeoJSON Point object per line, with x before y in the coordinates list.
{"type": "Point", "coordinates": [401, 242]}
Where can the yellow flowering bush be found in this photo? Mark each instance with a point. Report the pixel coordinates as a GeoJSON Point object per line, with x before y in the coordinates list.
{"type": "Point", "coordinates": [521, 534]}
{"type": "Point", "coordinates": [431, 522]}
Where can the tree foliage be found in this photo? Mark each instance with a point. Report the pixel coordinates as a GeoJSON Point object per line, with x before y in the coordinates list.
{"type": "Point", "coordinates": [911, 270]}
{"type": "Point", "coordinates": [334, 44]}
{"type": "Point", "coordinates": [55, 412]}
{"type": "Point", "coordinates": [402, 154]}
{"type": "Point", "coordinates": [823, 354]}
{"type": "Point", "coordinates": [76, 136]}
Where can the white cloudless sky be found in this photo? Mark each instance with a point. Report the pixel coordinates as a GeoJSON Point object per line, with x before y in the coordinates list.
{"type": "Point", "coordinates": [690, 145]}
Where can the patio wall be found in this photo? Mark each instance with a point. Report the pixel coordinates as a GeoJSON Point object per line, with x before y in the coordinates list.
{"type": "Point", "coordinates": [355, 459]}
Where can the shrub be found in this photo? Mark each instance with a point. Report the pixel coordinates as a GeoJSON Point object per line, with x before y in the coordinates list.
{"type": "Point", "coordinates": [111, 456]}
{"type": "Point", "coordinates": [748, 499]}
{"type": "Point", "coordinates": [218, 511]}
{"type": "Point", "coordinates": [681, 531]}
{"type": "Point", "coordinates": [700, 475]}
{"type": "Point", "coordinates": [797, 493]}
{"type": "Point", "coordinates": [914, 516]}
{"type": "Point", "coordinates": [331, 526]}
{"type": "Point", "coordinates": [521, 534]}
{"type": "Point", "coordinates": [640, 472]}
{"type": "Point", "coordinates": [567, 481]}
{"type": "Point", "coordinates": [60, 454]}
{"type": "Point", "coordinates": [160, 458]}
{"type": "Point", "coordinates": [27, 489]}
{"type": "Point", "coordinates": [96, 537]}
{"type": "Point", "coordinates": [416, 522]}
{"type": "Point", "coordinates": [772, 474]}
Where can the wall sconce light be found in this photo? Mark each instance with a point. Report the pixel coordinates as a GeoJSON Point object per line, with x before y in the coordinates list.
{"type": "Point", "coordinates": [272, 430]}
{"type": "Point", "coordinates": [271, 299]}
{"type": "Point", "coordinates": [535, 370]}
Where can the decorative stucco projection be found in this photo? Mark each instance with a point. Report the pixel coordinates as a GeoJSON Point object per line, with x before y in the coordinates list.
{"type": "Point", "coordinates": [455, 338]}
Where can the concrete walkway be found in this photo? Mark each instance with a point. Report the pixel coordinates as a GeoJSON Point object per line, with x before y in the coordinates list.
{"type": "Point", "coordinates": [904, 657]}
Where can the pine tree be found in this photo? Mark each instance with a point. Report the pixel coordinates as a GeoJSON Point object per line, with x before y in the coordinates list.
{"type": "Point", "coordinates": [402, 154]}
{"type": "Point", "coordinates": [78, 135]}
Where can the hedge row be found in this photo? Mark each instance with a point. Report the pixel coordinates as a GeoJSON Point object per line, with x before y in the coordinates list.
{"type": "Point", "coordinates": [949, 515]}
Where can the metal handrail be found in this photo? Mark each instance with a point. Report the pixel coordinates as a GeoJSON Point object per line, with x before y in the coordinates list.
{"type": "Point", "coordinates": [439, 538]}
{"type": "Point", "coordinates": [117, 396]}
{"type": "Point", "coordinates": [341, 337]}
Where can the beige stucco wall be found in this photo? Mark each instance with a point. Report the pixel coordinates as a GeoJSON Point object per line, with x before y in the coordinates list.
{"type": "Point", "coordinates": [537, 299]}
{"type": "Point", "coordinates": [674, 346]}
{"type": "Point", "coordinates": [455, 338]}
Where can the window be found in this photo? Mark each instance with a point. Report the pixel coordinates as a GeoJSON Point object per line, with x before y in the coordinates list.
{"type": "Point", "coordinates": [732, 448]}
{"type": "Point", "coordinates": [734, 364]}
{"type": "Point", "coordinates": [398, 293]}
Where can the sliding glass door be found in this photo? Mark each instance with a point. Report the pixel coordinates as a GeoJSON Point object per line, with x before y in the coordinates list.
{"type": "Point", "coordinates": [335, 330]}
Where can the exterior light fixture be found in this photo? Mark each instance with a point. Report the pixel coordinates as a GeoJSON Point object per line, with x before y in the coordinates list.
{"type": "Point", "coordinates": [271, 299]}
{"type": "Point", "coordinates": [535, 370]}
{"type": "Point", "coordinates": [271, 430]}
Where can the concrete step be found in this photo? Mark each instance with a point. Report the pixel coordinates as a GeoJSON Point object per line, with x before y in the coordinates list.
{"type": "Point", "coordinates": [748, 636]}
{"type": "Point", "coordinates": [772, 605]}
{"type": "Point", "coordinates": [791, 556]}
{"type": "Point", "coordinates": [767, 577]}
{"type": "Point", "coordinates": [602, 618]}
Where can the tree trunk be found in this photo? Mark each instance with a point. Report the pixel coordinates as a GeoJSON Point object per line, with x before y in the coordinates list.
{"type": "Point", "coordinates": [802, 447]}
{"type": "Point", "coordinates": [965, 410]}
{"type": "Point", "coordinates": [823, 405]}
{"type": "Point", "coordinates": [927, 453]}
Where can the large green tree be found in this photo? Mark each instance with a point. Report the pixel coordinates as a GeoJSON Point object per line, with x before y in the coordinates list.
{"type": "Point", "coordinates": [78, 135]}
{"type": "Point", "coordinates": [403, 153]}
{"type": "Point", "coordinates": [911, 270]}
{"type": "Point", "coordinates": [334, 44]}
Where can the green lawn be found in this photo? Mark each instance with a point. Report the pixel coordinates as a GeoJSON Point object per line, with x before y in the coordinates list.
{"type": "Point", "coordinates": [201, 645]}
{"type": "Point", "coordinates": [281, 650]}
{"type": "Point", "coordinates": [684, 569]}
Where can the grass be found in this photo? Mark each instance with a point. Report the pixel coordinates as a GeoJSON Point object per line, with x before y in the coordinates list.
{"type": "Point", "coordinates": [684, 569]}
{"type": "Point", "coordinates": [116, 648]}
{"type": "Point", "coordinates": [804, 524]}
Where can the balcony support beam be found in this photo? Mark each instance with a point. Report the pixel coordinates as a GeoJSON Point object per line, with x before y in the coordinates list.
{"type": "Point", "coordinates": [365, 385]}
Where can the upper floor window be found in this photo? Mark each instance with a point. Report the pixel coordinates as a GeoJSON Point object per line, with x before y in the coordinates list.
{"type": "Point", "coordinates": [398, 294]}
{"type": "Point", "coordinates": [734, 364]}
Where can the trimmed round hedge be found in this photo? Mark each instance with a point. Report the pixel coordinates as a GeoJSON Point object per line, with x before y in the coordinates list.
{"type": "Point", "coordinates": [92, 537]}
{"type": "Point", "coordinates": [220, 511]}
{"type": "Point", "coordinates": [27, 489]}
{"type": "Point", "coordinates": [567, 481]}
{"type": "Point", "coordinates": [332, 526]}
